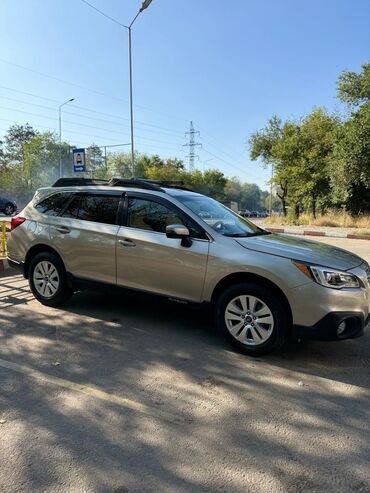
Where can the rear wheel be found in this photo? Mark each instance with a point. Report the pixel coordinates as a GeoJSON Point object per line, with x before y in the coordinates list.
{"type": "Point", "coordinates": [252, 317]}
{"type": "Point", "coordinates": [9, 209]}
{"type": "Point", "coordinates": [48, 280]}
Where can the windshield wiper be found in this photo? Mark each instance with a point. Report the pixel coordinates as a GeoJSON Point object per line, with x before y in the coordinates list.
{"type": "Point", "coordinates": [237, 235]}
{"type": "Point", "coordinates": [246, 235]}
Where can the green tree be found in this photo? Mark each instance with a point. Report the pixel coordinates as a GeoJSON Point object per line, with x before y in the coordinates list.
{"type": "Point", "coordinates": [350, 170]}
{"type": "Point", "coordinates": [14, 141]}
{"type": "Point", "coordinates": [353, 88]}
{"type": "Point", "coordinates": [277, 145]}
{"type": "Point", "coordinates": [317, 140]}
{"type": "Point", "coordinates": [94, 158]}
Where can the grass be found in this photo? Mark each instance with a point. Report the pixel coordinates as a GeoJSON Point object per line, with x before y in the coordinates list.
{"type": "Point", "coordinates": [362, 232]}
{"type": "Point", "coordinates": [339, 220]}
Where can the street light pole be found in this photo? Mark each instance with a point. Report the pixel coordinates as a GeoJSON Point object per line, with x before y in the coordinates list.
{"type": "Point", "coordinates": [60, 135]}
{"type": "Point", "coordinates": [131, 103]}
{"type": "Point", "coordinates": [144, 6]}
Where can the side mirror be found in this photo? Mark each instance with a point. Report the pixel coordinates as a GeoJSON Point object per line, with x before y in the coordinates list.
{"type": "Point", "coordinates": [180, 232]}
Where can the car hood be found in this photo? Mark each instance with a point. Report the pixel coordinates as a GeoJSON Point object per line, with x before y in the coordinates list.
{"type": "Point", "coordinates": [311, 252]}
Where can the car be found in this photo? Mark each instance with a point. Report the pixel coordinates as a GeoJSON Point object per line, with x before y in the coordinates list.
{"type": "Point", "coordinates": [163, 239]}
{"type": "Point", "coordinates": [244, 213]}
{"type": "Point", "coordinates": [7, 206]}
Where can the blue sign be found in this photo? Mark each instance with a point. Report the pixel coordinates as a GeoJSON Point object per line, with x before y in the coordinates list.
{"type": "Point", "coordinates": [79, 163]}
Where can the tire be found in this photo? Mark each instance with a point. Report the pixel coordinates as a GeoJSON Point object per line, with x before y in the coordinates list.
{"type": "Point", "coordinates": [252, 318]}
{"type": "Point", "coordinates": [9, 209]}
{"type": "Point", "coordinates": [48, 279]}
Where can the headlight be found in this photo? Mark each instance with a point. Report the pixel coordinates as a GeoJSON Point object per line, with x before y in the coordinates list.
{"type": "Point", "coordinates": [329, 278]}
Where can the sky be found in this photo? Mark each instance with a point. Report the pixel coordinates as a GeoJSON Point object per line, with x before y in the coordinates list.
{"type": "Point", "coordinates": [228, 66]}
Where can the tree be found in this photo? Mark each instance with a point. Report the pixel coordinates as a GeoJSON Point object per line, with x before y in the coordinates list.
{"type": "Point", "coordinates": [350, 168]}
{"type": "Point", "coordinates": [277, 145]}
{"type": "Point", "coordinates": [233, 190]}
{"type": "Point", "coordinates": [317, 139]}
{"type": "Point", "coordinates": [251, 197]}
{"type": "Point", "coordinates": [94, 158]}
{"type": "Point", "coordinates": [15, 139]}
{"type": "Point", "coordinates": [353, 88]}
{"type": "Point", "coordinates": [300, 153]}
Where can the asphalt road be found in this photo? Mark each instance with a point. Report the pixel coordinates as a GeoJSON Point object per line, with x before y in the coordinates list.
{"type": "Point", "coordinates": [117, 393]}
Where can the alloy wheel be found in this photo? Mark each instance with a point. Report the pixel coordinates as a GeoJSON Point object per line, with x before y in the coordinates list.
{"type": "Point", "coordinates": [249, 320]}
{"type": "Point", "coordinates": [46, 279]}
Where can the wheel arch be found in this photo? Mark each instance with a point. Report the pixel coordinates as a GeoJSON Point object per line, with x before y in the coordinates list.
{"type": "Point", "coordinates": [36, 249]}
{"type": "Point", "coordinates": [240, 277]}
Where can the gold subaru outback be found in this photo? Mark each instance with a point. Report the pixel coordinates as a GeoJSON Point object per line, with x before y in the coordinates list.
{"type": "Point", "coordinates": [166, 240]}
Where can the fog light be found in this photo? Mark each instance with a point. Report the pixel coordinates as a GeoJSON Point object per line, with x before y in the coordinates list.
{"type": "Point", "coordinates": [341, 328]}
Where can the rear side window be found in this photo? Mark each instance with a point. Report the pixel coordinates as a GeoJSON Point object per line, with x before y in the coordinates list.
{"type": "Point", "coordinates": [54, 204]}
{"type": "Point", "coordinates": [97, 208]}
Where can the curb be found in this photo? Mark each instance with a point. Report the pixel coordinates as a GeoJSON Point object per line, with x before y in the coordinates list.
{"type": "Point", "coordinates": [317, 233]}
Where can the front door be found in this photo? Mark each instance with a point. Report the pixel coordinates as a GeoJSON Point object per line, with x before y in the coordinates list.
{"type": "Point", "coordinates": [148, 260]}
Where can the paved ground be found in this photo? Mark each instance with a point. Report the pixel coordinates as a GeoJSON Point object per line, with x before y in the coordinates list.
{"type": "Point", "coordinates": [117, 393]}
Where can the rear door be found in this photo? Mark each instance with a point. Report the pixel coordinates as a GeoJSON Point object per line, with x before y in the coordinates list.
{"type": "Point", "coordinates": [85, 235]}
{"type": "Point", "coordinates": [148, 260]}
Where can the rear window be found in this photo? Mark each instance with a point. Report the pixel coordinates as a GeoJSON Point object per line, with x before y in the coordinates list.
{"type": "Point", "coordinates": [54, 204]}
{"type": "Point", "coordinates": [96, 208]}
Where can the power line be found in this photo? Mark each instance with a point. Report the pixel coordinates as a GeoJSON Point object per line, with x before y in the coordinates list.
{"type": "Point", "coordinates": [100, 93]}
{"type": "Point", "coordinates": [161, 129]}
{"type": "Point", "coordinates": [85, 88]}
{"type": "Point", "coordinates": [104, 14]}
{"type": "Point", "coordinates": [229, 164]}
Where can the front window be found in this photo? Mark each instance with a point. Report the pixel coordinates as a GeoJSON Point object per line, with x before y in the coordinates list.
{"type": "Point", "coordinates": [152, 216]}
{"type": "Point", "coordinates": [219, 217]}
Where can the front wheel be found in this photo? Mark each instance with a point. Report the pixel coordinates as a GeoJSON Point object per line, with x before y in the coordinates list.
{"type": "Point", "coordinates": [252, 318]}
{"type": "Point", "coordinates": [48, 280]}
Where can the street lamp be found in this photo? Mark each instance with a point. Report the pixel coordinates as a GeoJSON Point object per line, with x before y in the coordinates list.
{"type": "Point", "coordinates": [144, 6]}
{"type": "Point", "coordinates": [60, 135]}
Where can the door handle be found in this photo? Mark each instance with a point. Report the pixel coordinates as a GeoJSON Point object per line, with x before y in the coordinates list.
{"type": "Point", "coordinates": [63, 229]}
{"type": "Point", "coordinates": [127, 242]}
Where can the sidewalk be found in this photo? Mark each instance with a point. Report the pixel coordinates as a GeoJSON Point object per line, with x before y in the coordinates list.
{"type": "Point", "coordinates": [334, 232]}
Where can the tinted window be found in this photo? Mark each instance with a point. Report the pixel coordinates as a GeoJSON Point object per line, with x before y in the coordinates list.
{"type": "Point", "coordinates": [72, 209]}
{"type": "Point", "coordinates": [54, 204]}
{"type": "Point", "coordinates": [146, 214]}
{"type": "Point", "coordinates": [97, 208]}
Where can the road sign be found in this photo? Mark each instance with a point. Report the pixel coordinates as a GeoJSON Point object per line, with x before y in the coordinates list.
{"type": "Point", "coordinates": [79, 163]}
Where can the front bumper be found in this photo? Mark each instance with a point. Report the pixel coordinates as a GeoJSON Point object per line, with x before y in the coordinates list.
{"type": "Point", "coordinates": [326, 329]}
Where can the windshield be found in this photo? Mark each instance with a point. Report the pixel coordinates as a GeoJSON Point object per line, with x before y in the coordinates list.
{"type": "Point", "coordinates": [219, 217]}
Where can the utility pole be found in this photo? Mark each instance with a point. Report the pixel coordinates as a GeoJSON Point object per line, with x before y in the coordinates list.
{"type": "Point", "coordinates": [192, 144]}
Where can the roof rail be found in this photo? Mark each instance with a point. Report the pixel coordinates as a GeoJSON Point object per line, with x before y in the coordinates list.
{"type": "Point", "coordinates": [76, 182]}
{"type": "Point", "coordinates": [156, 185]}
{"type": "Point", "coordinates": [170, 184]}
{"type": "Point", "coordinates": [136, 183]}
